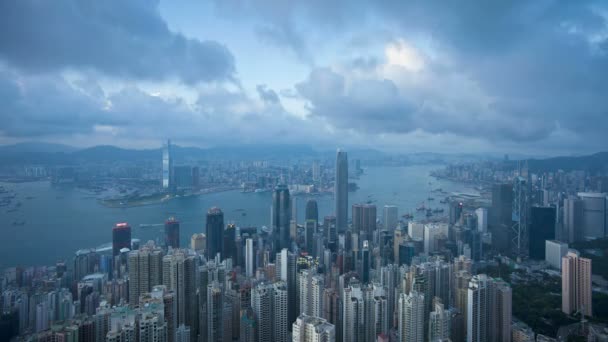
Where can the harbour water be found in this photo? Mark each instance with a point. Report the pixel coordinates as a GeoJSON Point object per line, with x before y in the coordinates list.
{"type": "Point", "coordinates": [59, 220]}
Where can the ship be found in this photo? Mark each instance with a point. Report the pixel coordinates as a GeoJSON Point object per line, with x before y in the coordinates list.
{"type": "Point", "coordinates": [421, 208]}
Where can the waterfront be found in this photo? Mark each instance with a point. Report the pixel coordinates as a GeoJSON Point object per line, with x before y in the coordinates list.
{"type": "Point", "coordinates": [62, 219]}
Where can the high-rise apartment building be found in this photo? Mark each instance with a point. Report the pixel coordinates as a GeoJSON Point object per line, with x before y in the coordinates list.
{"type": "Point", "coordinates": [313, 329]}
{"type": "Point", "coordinates": [439, 323]}
{"type": "Point", "coordinates": [145, 271]}
{"type": "Point", "coordinates": [411, 317]}
{"type": "Point", "coordinates": [179, 276]}
{"type": "Point", "coordinates": [576, 284]}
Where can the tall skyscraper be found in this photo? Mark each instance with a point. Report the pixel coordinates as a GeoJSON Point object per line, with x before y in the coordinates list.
{"type": "Point", "coordinates": [198, 242]}
{"type": "Point", "coordinates": [167, 166]}
{"type": "Point", "coordinates": [501, 297]}
{"type": "Point", "coordinates": [172, 233]}
{"type": "Point", "coordinates": [554, 252]}
{"type": "Point", "coordinates": [145, 271]}
{"type": "Point", "coordinates": [215, 305]}
{"type": "Point", "coordinates": [312, 210]}
{"type": "Point", "coordinates": [229, 242]}
{"type": "Point", "coordinates": [502, 205]}
{"type": "Point", "coordinates": [281, 217]}
{"type": "Point", "coordinates": [341, 191]}
{"type": "Point", "coordinates": [310, 228]}
{"type": "Point", "coordinates": [308, 328]}
{"type": "Point", "coordinates": [269, 303]}
{"type": "Point", "coordinates": [482, 219]}
{"type": "Point", "coordinates": [576, 284]}
{"type": "Point", "coordinates": [411, 317]}
{"type": "Point", "coordinates": [330, 230]}
{"type": "Point", "coordinates": [121, 237]}
{"type": "Point", "coordinates": [391, 217]}
{"type": "Point", "coordinates": [353, 314]}
{"type": "Point", "coordinates": [542, 228]}
{"type": "Point", "coordinates": [595, 205]}
{"type": "Point", "coordinates": [249, 261]}
{"type": "Point", "coordinates": [215, 232]}
{"type": "Point", "coordinates": [279, 311]}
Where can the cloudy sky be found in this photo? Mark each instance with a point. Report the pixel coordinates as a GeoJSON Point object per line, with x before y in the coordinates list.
{"type": "Point", "coordinates": [406, 76]}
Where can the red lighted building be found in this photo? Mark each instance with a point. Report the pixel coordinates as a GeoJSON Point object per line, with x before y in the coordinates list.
{"type": "Point", "coordinates": [121, 237]}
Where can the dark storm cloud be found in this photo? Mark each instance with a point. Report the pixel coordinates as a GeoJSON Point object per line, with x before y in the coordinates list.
{"type": "Point", "coordinates": [267, 95]}
{"type": "Point", "coordinates": [540, 67]}
{"type": "Point", "coordinates": [118, 38]}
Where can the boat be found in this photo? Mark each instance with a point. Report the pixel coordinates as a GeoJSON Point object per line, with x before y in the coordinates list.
{"type": "Point", "coordinates": [443, 201]}
{"type": "Point", "coordinates": [438, 210]}
{"type": "Point", "coordinates": [430, 199]}
{"type": "Point", "coordinates": [18, 223]}
{"type": "Point", "coordinates": [421, 208]}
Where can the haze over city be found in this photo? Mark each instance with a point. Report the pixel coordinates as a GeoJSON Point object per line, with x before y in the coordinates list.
{"type": "Point", "coordinates": [306, 171]}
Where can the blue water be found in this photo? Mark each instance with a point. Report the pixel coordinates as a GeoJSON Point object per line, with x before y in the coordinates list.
{"type": "Point", "coordinates": [63, 219]}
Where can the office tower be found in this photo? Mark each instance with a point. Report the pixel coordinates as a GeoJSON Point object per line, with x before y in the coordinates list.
{"type": "Point", "coordinates": [172, 233]}
{"type": "Point", "coordinates": [167, 181]}
{"type": "Point", "coordinates": [310, 228]}
{"type": "Point", "coordinates": [311, 287]}
{"type": "Point", "coordinates": [573, 220]}
{"type": "Point", "coordinates": [316, 171]}
{"type": "Point", "coordinates": [365, 262]}
{"type": "Point", "coordinates": [415, 230]}
{"type": "Point", "coordinates": [215, 305]}
{"type": "Point", "coordinates": [432, 233]}
{"type": "Point", "coordinates": [249, 261]}
{"type": "Point", "coordinates": [330, 230]}
{"type": "Point", "coordinates": [308, 328]}
{"type": "Point", "coordinates": [594, 214]}
{"type": "Point", "coordinates": [179, 276]}
{"type": "Point", "coordinates": [182, 334]}
{"type": "Point", "coordinates": [389, 278]}
{"type": "Point", "coordinates": [576, 284]}
{"type": "Point", "coordinates": [121, 237]}
{"type": "Point", "coordinates": [411, 317]}
{"type": "Point", "coordinates": [353, 314]}
{"type": "Point", "coordinates": [364, 220]}
{"type": "Point", "coordinates": [182, 177]}
{"type": "Point", "coordinates": [198, 242]}
{"type": "Point", "coordinates": [145, 271]}
{"type": "Point", "coordinates": [439, 323]}
{"type": "Point", "coordinates": [391, 217]}
{"type": "Point", "coordinates": [455, 211]}
{"type": "Point", "coordinates": [215, 232]}
{"type": "Point", "coordinates": [312, 210]}
{"type": "Point", "coordinates": [554, 252]}
{"type": "Point", "coordinates": [502, 205]}
{"type": "Point", "coordinates": [542, 228]}
{"type": "Point", "coordinates": [196, 177]}
{"type": "Point", "coordinates": [279, 311]}
{"type": "Point", "coordinates": [341, 191]}
{"type": "Point", "coordinates": [482, 219]}
{"type": "Point", "coordinates": [281, 217]}
{"type": "Point", "coordinates": [229, 242]}
{"type": "Point", "coordinates": [500, 311]}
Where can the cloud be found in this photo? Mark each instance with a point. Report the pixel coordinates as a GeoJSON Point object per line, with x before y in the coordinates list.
{"type": "Point", "coordinates": [124, 39]}
{"type": "Point", "coordinates": [267, 95]}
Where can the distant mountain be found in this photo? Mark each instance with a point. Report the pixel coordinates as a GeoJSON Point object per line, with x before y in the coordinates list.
{"type": "Point", "coordinates": [592, 163]}
{"type": "Point", "coordinates": [106, 153]}
{"type": "Point", "coordinates": [35, 147]}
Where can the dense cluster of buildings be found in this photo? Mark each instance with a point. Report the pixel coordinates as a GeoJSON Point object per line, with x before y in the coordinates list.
{"type": "Point", "coordinates": [367, 277]}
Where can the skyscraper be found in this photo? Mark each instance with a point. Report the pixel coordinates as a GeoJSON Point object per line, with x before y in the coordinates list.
{"type": "Point", "coordinates": [595, 205]}
{"type": "Point", "coordinates": [489, 309]}
{"type": "Point", "coordinates": [145, 271]}
{"type": "Point", "coordinates": [279, 311]}
{"type": "Point", "coordinates": [215, 305]}
{"type": "Point", "coordinates": [308, 328]}
{"type": "Point", "coordinates": [411, 317]}
{"type": "Point", "coordinates": [364, 220]}
{"type": "Point", "coordinates": [502, 205]}
{"type": "Point", "coordinates": [249, 262]}
{"type": "Point", "coordinates": [121, 237]}
{"type": "Point", "coordinates": [391, 217]}
{"type": "Point", "coordinates": [576, 284]}
{"type": "Point", "coordinates": [167, 166]}
{"type": "Point", "coordinates": [310, 228]}
{"type": "Point", "coordinates": [439, 323]}
{"type": "Point", "coordinates": [341, 191]}
{"type": "Point", "coordinates": [353, 314]}
{"type": "Point", "coordinates": [312, 210]}
{"type": "Point", "coordinates": [229, 242]}
{"type": "Point", "coordinates": [281, 217]}
{"type": "Point", "coordinates": [179, 276]}
{"type": "Point", "coordinates": [572, 230]}
{"type": "Point", "coordinates": [215, 232]}
{"type": "Point", "coordinates": [542, 228]}
{"type": "Point", "coordinates": [172, 233]}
